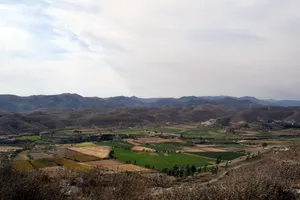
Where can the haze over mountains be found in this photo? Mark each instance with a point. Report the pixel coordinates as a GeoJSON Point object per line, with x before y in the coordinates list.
{"type": "Point", "coordinates": [12, 103]}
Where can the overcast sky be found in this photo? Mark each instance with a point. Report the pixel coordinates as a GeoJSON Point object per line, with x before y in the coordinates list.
{"type": "Point", "coordinates": [151, 48]}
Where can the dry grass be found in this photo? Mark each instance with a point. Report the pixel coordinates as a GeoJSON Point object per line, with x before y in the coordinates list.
{"type": "Point", "coordinates": [22, 156]}
{"type": "Point", "coordinates": [9, 148]}
{"type": "Point", "coordinates": [96, 151]}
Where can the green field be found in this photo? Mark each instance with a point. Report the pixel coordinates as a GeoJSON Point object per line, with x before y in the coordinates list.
{"type": "Point", "coordinates": [158, 160]}
{"type": "Point", "coordinates": [52, 162]}
{"type": "Point", "coordinates": [131, 131]}
{"type": "Point", "coordinates": [202, 132]}
{"type": "Point", "coordinates": [28, 138]}
{"type": "Point", "coordinates": [164, 130]}
{"type": "Point", "coordinates": [44, 162]}
{"type": "Point", "coordinates": [224, 155]}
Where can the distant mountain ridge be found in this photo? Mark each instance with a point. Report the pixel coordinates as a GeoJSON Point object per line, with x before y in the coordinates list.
{"type": "Point", "coordinates": [13, 103]}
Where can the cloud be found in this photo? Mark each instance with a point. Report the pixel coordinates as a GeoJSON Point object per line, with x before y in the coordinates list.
{"type": "Point", "coordinates": [150, 48]}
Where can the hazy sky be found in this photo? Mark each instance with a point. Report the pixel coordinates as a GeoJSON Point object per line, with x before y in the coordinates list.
{"type": "Point", "coordinates": [151, 48]}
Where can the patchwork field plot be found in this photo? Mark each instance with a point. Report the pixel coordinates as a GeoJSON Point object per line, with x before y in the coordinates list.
{"type": "Point", "coordinates": [114, 165]}
{"type": "Point", "coordinates": [164, 130]}
{"type": "Point", "coordinates": [53, 162]}
{"type": "Point", "coordinates": [45, 162]}
{"type": "Point", "coordinates": [74, 165]}
{"type": "Point", "coordinates": [75, 156]}
{"type": "Point", "coordinates": [22, 156]}
{"type": "Point", "coordinates": [22, 165]}
{"type": "Point", "coordinates": [223, 155]}
{"type": "Point", "coordinates": [140, 148]}
{"type": "Point", "coordinates": [96, 151]}
{"type": "Point", "coordinates": [151, 140]}
{"type": "Point", "coordinates": [166, 146]}
{"type": "Point", "coordinates": [37, 155]}
{"type": "Point", "coordinates": [86, 144]}
{"type": "Point", "coordinates": [159, 160]}
{"type": "Point", "coordinates": [202, 149]}
{"type": "Point", "coordinates": [28, 138]}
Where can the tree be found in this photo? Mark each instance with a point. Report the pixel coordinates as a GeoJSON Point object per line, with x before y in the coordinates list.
{"type": "Point", "coordinates": [218, 161]}
{"type": "Point", "coordinates": [199, 170]}
{"type": "Point", "coordinates": [112, 154]}
{"type": "Point", "coordinates": [205, 168]}
{"type": "Point", "coordinates": [188, 170]}
{"type": "Point", "coordinates": [181, 172]}
{"type": "Point", "coordinates": [193, 169]}
{"type": "Point", "coordinates": [175, 170]}
{"type": "Point", "coordinates": [264, 145]}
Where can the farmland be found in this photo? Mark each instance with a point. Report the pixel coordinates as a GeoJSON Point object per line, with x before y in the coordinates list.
{"type": "Point", "coordinates": [159, 161]}
{"type": "Point", "coordinates": [73, 155]}
{"type": "Point", "coordinates": [28, 138]}
{"type": "Point", "coordinates": [222, 155]}
{"type": "Point", "coordinates": [117, 166]}
{"type": "Point", "coordinates": [22, 165]}
{"type": "Point", "coordinates": [96, 151]}
{"type": "Point", "coordinates": [136, 149]}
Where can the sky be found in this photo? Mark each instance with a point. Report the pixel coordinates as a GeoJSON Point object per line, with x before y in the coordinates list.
{"type": "Point", "coordinates": [150, 48]}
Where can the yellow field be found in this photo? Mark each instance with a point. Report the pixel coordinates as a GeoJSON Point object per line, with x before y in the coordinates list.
{"type": "Point", "coordinates": [96, 151]}
{"type": "Point", "coordinates": [202, 149]}
{"type": "Point", "coordinates": [140, 148]}
{"type": "Point", "coordinates": [22, 165]}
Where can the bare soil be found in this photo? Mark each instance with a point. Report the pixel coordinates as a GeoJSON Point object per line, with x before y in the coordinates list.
{"type": "Point", "coordinates": [96, 151]}
{"type": "Point", "coordinates": [117, 166]}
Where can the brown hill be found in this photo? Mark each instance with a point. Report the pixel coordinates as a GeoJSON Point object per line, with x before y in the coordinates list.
{"type": "Point", "coordinates": [50, 119]}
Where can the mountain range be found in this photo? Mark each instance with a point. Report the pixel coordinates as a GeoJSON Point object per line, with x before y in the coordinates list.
{"type": "Point", "coordinates": [13, 103]}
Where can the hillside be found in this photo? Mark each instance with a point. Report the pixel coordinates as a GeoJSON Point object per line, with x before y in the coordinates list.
{"type": "Point", "coordinates": [50, 119]}
{"type": "Point", "coordinates": [12, 103]}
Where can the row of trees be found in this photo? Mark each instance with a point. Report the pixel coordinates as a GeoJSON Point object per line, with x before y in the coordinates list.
{"type": "Point", "coordinates": [184, 170]}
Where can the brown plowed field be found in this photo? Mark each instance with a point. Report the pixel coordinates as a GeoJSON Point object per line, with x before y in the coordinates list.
{"type": "Point", "coordinates": [96, 151]}
{"type": "Point", "coordinates": [118, 166]}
